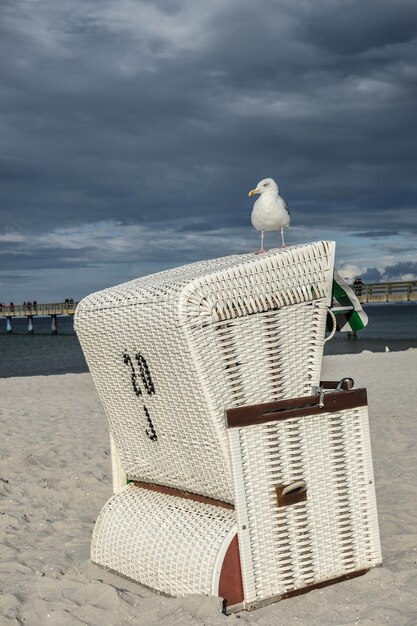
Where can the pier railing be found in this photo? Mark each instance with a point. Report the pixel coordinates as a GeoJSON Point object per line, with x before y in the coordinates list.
{"type": "Point", "coordinates": [400, 291]}
{"type": "Point", "coordinates": [56, 308]}
{"type": "Point", "coordinates": [31, 310]}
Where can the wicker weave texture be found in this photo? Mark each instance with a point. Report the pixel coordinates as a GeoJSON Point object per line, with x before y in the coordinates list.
{"type": "Point", "coordinates": [335, 531]}
{"type": "Point", "coordinates": [169, 352]}
{"type": "Point", "coordinates": [167, 543]}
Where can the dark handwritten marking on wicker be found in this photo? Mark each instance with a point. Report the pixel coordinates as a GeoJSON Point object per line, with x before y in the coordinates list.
{"type": "Point", "coordinates": [151, 432]}
{"type": "Point", "coordinates": [128, 361]}
{"type": "Point", "coordinates": [145, 374]}
{"type": "Point", "coordinates": [149, 386]}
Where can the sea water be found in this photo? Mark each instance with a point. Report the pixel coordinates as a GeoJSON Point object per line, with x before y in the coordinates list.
{"type": "Point", "coordinates": [392, 326]}
{"type": "Point", "coordinates": [40, 353]}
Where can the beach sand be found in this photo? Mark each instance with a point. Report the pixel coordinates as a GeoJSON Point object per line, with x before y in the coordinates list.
{"type": "Point", "coordinates": [55, 476]}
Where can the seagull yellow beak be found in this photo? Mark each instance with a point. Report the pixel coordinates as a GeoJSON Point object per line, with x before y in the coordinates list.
{"type": "Point", "coordinates": [253, 191]}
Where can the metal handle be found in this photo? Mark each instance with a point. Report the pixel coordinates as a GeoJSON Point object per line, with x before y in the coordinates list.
{"type": "Point", "coordinates": [298, 485]}
{"type": "Point", "coordinates": [345, 383]}
{"type": "Point", "coordinates": [333, 316]}
{"type": "Point", "coordinates": [293, 493]}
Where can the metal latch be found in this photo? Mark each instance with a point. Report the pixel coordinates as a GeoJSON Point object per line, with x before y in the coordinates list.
{"type": "Point", "coordinates": [292, 493]}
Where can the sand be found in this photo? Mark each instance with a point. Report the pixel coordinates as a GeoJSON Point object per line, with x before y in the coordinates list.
{"type": "Point", "coordinates": [55, 477]}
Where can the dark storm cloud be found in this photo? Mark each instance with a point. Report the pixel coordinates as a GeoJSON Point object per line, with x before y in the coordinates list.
{"type": "Point", "coordinates": [11, 278]}
{"type": "Point", "coordinates": [372, 275]}
{"type": "Point", "coordinates": [141, 112]}
{"type": "Point", "coordinates": [397, 271]}
{"type": "Point", "coordinates": [50, 257]}
{"type": "Point", "coordinates": [353, 27]}
{"type": "Point", "coordinates": [376, 234]}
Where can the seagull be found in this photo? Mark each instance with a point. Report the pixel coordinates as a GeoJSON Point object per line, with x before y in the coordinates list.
{"type": "Point", "coordinates": [270, 211]}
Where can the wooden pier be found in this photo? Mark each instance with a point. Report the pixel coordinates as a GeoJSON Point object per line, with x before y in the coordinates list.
{"type": "Point", "coordinates": [52, 310]}
{"type": "Point", "coordinates": [400, 291]}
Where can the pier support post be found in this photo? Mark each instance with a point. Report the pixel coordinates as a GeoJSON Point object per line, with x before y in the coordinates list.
{"type": "Point", "coordinates": [54, 328]}
{"type": "Point", "coordinates": [9, 327]}
{"type": "Point", "coordinates": [30, 324]}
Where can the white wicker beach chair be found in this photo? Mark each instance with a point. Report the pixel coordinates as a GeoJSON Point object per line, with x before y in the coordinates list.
{"type": "Point", "coordinates": [195, 498]}
{"type": "Point", "coordinates": [304, 493]}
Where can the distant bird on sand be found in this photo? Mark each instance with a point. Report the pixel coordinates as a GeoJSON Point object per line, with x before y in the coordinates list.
{"type": "Point", "coordinates": [270, 211]}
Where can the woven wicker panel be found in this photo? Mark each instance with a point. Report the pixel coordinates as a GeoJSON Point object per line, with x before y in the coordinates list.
{"type": "Point", "coordinates": [272, 355]}
{"type": "Point", "coordinates": [167, 543]}
{"type": "Point", "coordinates": [335, 531]}
{"type": "Point", "coordinates": [213, 334]}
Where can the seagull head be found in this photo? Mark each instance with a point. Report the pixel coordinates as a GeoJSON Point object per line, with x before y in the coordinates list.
{"type": "Point", "coordinates": [267, 185]}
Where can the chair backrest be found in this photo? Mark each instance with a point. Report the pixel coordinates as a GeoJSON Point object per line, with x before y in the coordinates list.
{"type": "Point", "coordinates": [171, 351]}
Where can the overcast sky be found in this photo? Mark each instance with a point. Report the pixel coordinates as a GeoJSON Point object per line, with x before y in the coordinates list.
{"type": "Point", "coordinates": [132, 131]}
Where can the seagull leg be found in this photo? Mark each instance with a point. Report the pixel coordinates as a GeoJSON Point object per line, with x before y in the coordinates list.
{"type": "Point", "coordinates": [282, 237]}
{"type": "Point", "coordinates": [262, 249]}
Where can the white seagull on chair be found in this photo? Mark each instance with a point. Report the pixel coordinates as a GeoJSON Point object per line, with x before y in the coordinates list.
{"type": "Point", "coordinates": [270, 211]}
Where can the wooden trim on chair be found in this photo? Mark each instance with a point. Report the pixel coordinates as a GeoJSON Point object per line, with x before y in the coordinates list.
{"type": "Point", "coordinates": [346, 384]}
{"type": "Point", "coordinates": [178, 493]}
{"type": "Point", "coordinates": [324, 583]}
{"type": "Point", "coordinates": [230, 583]}
{"type": "Point", "coordinates": [251, 415]}
{"type": "Point", "coordinates": [250, 606]}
